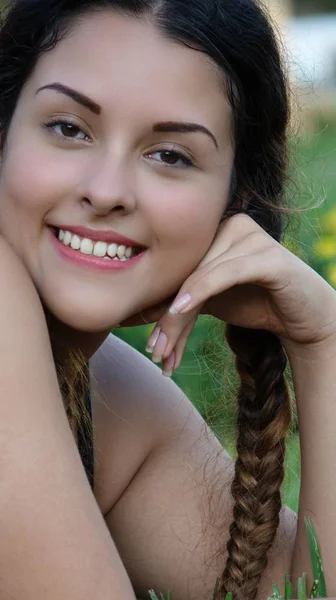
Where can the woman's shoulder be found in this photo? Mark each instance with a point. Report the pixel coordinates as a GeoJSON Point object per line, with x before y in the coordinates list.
{"type": "Point", "coordinates": [134, 388]}
{"type": "Point", "coordinates": [135, 410]}
{"type": "Point", "coordinates": [163, 478]}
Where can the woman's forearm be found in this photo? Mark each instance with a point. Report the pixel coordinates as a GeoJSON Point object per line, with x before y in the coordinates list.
{"type": "Point", "coordinates": [314, 374]}
{"type": "Point", "coordinates": [54, 541]}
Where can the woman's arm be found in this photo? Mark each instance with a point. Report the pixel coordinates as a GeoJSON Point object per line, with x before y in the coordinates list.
{"type": "Point", "coordinates": [54, 542]}
{"type": "Point", "coordinates": [314, 377]}
{"type": "Point", "coordinates": [250, 281]}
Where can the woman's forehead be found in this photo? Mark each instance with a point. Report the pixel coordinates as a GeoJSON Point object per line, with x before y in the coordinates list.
{"type": "Point", "coordinates": [119, 59]}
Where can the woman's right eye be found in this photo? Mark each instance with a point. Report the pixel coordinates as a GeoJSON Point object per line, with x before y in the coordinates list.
{"type": "Point", "coordinates": [67, 130]}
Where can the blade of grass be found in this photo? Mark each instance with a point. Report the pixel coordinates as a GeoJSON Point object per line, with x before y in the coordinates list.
{"type": "Point", "coordinates": [316, 561]}
{"type": "Point", "coordinates": [289, 591]}
{"type": "Point", "coordinates": [302, 587]}
{"type": "Point", "coordinates": [276, 593]}
{"type": "Point", "coordinates": [314, 591]}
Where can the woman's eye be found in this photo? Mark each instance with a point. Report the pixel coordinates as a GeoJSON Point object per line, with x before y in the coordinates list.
{"type": "Point", "coordinates": [67, 130]}
{"type": "Point", "coordinates": [172, 158]}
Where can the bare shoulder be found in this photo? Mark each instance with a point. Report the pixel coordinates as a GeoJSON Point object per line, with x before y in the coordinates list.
{"type": "Point", "coordinates": [135, 409]}
{"type": "Point", "coordinates": [166, 480]}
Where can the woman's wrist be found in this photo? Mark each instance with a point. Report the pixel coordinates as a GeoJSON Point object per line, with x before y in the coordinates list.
{"type": "Point", "coordinates": [315, 351]}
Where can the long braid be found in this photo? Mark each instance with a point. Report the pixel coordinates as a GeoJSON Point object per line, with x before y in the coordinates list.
{"type": "Point", "coordinates": [264, 416]}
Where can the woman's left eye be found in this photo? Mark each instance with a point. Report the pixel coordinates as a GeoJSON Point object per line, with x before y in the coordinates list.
{"type": "Point", "coordinates": [171, 158]}
{"type": "Point", "coordinates": [67, 130]}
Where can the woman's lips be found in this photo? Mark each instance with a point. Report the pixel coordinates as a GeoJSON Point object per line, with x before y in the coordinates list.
{"type": "Point", "coordinates": [91, 261]}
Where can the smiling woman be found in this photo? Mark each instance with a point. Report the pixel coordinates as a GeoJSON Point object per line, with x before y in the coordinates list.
{"type": "Point", "coordinates": [143, 160]}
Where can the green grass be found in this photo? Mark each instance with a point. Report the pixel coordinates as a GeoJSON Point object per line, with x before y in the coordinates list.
{"type": "Point", "coordinates": [314, 174]}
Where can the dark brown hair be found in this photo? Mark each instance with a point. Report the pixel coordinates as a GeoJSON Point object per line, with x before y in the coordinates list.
{"type": "Point", "coordinates": [238, 36]}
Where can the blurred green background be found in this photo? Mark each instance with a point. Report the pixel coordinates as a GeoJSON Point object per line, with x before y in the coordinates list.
{"type": "Point", "coordinates": [207, 374]}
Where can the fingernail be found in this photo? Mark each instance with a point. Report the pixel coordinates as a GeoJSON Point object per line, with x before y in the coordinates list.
{"type": "Point", "coordinates": [153, 339]}
{"type": "Point", "coordinates": [180, 304]}
{"type": "Point", "coordinates": [168, 369]}
{"type": "Point", "coordinates": [159, 348]}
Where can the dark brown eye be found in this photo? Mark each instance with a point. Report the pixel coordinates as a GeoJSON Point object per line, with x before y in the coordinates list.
{"type": "Point", "coordinates": [172, 158]}
{"type": "Point", "coordinates": [69, 130]}
{"type": "Point", "coordinates": [64, 129]}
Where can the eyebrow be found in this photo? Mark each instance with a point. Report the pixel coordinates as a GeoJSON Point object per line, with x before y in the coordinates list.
{"type": "Point", "coordinates": [74, 95]}
{"type": "Point", "coordinates": [167, 127]}
{"type": "Point", "coordinates": [177, 127]}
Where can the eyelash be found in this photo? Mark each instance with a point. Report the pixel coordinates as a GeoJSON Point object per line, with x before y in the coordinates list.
{"type": "Point", "coordinates": [50, 125]}
{"type": "Point", "coordinates": [188, 163]}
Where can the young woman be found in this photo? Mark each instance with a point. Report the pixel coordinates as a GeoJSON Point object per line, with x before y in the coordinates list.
{"type": "Point", "coordinates": [143, 157]}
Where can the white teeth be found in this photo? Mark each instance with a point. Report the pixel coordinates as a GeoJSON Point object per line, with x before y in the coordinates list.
{"type": "Point", "coordinates": [121, 251]}
{"type": "Point", "coordinates": [67, 238]}
{"type": "Point", "coordinates": [86, 246]}
{"type": "Point", "coordinates": [99, 249]}
{"type": "Point", "coordinates": [112, 250]}
{"type": "Point", "coordinates": [75, 242]}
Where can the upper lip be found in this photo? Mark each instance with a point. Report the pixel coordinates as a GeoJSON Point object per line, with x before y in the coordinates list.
{"type": "Point", "coordinates": [110, 237]}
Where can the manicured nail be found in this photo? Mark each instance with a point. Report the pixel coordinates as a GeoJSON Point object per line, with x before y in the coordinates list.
{"type": "Point", "coordinates": [180, 304]}
{"type": "Point", "coordinates": [152, 340]}
{"type": "Point", "coordinates": [159, 348]}
{"type": "Point", "coordinates": [168, 369]}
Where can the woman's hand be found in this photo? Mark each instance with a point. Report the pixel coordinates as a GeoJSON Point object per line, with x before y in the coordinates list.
{"type": "Point", "coordinates": [250, 280]}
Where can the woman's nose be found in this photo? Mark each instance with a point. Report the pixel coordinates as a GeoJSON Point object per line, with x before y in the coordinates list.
{"type": "Point", "coordinates": [108, 186]}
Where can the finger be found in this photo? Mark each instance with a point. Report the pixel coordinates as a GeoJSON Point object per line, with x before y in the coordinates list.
{"type": "Point", "coordinates": [173, 361]}
{"type": "Point", "coordinates": [182, 342]}
{"type": "Point", "coordinates": [232, 231]}
{"type": "Point", "coordinates": [216, 277]}
{"type": "Point", "coordinates": [168, 365]}
{"type": "Point", "coordinates": [170, 327]}
{"type": "Point", "coordinates": [178, 329]}
{"type": "Point", "coordinates": [259, 268]}
{"type": "Point", "coordinates": [161, 347]}
{"type": "Point", "coordinates": [251, 244]}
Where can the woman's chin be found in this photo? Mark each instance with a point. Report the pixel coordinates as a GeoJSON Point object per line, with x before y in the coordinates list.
{"type": "Point", "coordinates": [82, 317]}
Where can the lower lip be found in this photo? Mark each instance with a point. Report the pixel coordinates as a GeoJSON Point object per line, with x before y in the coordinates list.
{"type": "Point", "coordinates": [92, 261]}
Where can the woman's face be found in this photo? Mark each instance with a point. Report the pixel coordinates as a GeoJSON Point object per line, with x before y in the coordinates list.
{"type": "Point", "coordinates": [116, 168]}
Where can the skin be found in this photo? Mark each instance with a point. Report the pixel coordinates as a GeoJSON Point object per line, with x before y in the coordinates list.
{"type": "Point", "coordinates": [111, 174]}
{"type": "Point", "coordinates": [115, 180]}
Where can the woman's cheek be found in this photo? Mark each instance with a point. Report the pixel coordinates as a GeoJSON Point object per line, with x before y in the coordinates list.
{"type": "Point", "coordinates": [176, 203]}
{"type": "Point", "coordinates": [182, 237]}
{"type": "Point", "coordinates": [36, 181]}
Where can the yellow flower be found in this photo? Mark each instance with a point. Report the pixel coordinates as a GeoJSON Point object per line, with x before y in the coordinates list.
{"type": "Point", "coordinates": [328, 221]}
{"type": "Point", "coordinates": [326, 246]}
